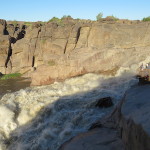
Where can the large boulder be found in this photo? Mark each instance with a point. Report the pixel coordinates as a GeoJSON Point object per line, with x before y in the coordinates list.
{"type": "Point", "coordinates": [104, 102]}
{"type": "Point", "coordinates": [48, 74]}
{"type": "Point", "coordinates": [135, 120]}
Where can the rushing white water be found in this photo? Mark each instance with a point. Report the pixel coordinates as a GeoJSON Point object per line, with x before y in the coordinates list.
{"type": "Point", "coordinates": [45, 117]}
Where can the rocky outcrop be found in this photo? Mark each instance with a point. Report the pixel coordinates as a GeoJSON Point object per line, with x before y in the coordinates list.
{"type": "Point", "coordinates": [134, 120]}
{"type": "Point", "coordinates": [96, 139]}
{"type": "Point", "coordinates": [9, 34]}
{"type": "Point", "coordinates": [3, 30]}
{"type": "Point", "coordinates": [94, 47]}
{"type": "Point", "coordinates": [128, 126]}
{"type": "Point", "coordinates": [56, 51]}
{"type": "Point", "coordinates": [104, 102]}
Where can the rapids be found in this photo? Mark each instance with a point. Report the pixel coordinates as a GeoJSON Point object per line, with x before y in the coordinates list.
{"type": "Point", "coordinates": [45, 117]}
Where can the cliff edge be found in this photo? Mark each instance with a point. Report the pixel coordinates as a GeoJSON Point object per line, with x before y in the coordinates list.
{"type": "Point", "coordinates": [49, 52]}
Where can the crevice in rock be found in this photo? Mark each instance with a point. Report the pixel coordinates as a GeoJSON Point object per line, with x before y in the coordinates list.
{"type": "Point", "coordinates": [33, 61]}
{"type": "Point", "coordinates": [33, 58]}
{"type": "Point", "coordinates": [65, 47]}
{"type": "Point", "coordinates": [9, 52]}
{"type": "Point", "coordinates": [5, 32]}
{"type": "Point", "coordinates": [88, 37]}
{"type": "Point", "coordinates": [21, 34]}
{"type": "Point", "coordinates": [77, 37]}
{"type": "Point", "coordinates": [67, 41]}
{"type": "Point", "coordinates": [37, 37]}
{"type": "Point", "coordinates": [13, 40]}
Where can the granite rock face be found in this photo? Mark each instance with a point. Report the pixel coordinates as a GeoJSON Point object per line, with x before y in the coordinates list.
{"type": "Point", "coordinates": [127, 127]}
{"type": "Point", "coordinates": [51, 51]}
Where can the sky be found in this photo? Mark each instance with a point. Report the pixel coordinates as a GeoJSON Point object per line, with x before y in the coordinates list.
{"type": "Point", "coordinates": [44, 10]}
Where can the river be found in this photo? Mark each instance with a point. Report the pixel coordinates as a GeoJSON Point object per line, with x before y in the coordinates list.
{"type": "Point", "coordinates": [12, 85]}
{"type": "Point", "coordinates": [44, 117]}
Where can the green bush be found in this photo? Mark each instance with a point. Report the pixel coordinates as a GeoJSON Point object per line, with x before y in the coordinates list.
{"type": "Point", "coordinates": [66, 16]}
{"type": "Point", "coordinates": [51, 63]}
{"type": "Point", "coordinates": [99, 16]}
{"type": "Point", "coordinates": [146, 19]}
{"type": "Point", "coordinates": [112, 18]}
{"type": "Point", "coordinates": [28, 23]}
{"type": "Point", "coordinates": [43, 41]}
{"type": "Point", "coordinates": [57, 20]}
{"type": "Point", "coordinates": [10, 76]}
{"type": "Point", "coordinates": [15, 23]}
{"type": "Point", "coordinates": [41, 22]}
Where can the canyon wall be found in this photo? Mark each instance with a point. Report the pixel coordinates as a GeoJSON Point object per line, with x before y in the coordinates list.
{"type": "Point", "coordinates": [56, 51]}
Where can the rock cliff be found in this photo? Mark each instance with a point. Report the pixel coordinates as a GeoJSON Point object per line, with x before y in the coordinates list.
{"type": "Point", "coordinates": [51, 51]}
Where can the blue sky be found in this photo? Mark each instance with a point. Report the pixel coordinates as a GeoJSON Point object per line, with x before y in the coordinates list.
{"type": "Point", "coordinates": [43, 10]}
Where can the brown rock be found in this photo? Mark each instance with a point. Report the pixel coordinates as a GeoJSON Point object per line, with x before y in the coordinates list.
{"type": "Point", "coordinates": [99, 47]}
{"type": "Point", "coordinates": [54, 73]}
{"type": "Point", "coordinates": [2, 27]}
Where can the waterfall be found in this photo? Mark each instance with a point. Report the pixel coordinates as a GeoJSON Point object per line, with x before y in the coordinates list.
{"type": "Point", "coordinates": [45, 117]}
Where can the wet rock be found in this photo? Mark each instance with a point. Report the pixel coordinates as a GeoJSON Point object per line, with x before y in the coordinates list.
{"type": "Point", "coordinates": [144, 80]}
{"type": "Point", "coordinates": [134, 121]}
{"type": "Point", "coordinates": [104, 102]}
{"type": "Point", "coordinates": [96, 139]}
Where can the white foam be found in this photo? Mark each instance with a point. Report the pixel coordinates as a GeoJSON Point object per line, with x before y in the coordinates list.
{"type": "Point", "coordinates": [66, 109]}
{"type": "Point", "coordinates": [6, 121]}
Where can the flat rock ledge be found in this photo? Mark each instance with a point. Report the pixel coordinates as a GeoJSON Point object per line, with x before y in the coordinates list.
{"type": "Point", "coordinates": [126, 128]}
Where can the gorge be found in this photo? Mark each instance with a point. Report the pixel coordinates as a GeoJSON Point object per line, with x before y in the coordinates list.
{"type": "Point", "coordinates": [51, 52]}
{"type": "Point", "coordinates": [72, 64]}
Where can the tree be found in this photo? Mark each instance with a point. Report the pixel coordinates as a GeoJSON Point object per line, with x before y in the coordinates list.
{"type": "Point", "coordinates": [66, 16]}
{"type": "Point", "coordinates": [57, 20]}
{"type": "Point", "coordinates": [54, 19]}
{"type": "Point", "coordinates": [112, 18]}
{"type": "Point", "coordinates": [146, 19]}
{"type": "Point", "coordinates": [99, 16]}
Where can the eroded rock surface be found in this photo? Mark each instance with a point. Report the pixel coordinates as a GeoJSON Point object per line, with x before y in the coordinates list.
{"type": "Point", "coordinates": [135, 121]}
{"type": "Point", "coordinates": [50, 51]}
{"type": "Point", "coordinates": [97, 139]}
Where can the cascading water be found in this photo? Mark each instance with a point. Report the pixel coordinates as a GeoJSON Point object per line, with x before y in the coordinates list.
{"type": "Point", "coordinates": [47, 116]}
